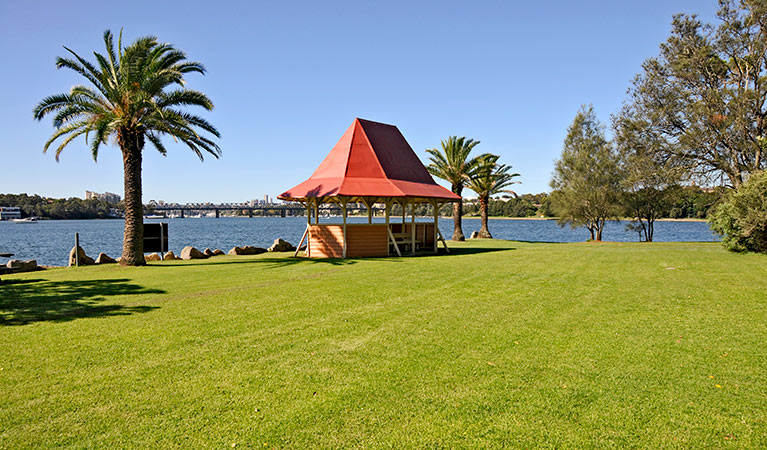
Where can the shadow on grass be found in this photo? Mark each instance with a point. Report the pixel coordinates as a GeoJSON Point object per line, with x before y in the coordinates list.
{"type": "Point", "coordinates": [292, 261]}
{"type": "Point", "coordinates": [28, 301]}
{"type": "Point", "coordinates": [457, 251]}
{"type": "Point", "coordinates": [269, 262]}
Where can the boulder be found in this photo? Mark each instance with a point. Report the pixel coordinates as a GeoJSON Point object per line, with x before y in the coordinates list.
{"type": "Point", "coordinates": [103, 258]}
{"type": "Point", "coordinates": [280, 245]}
{"type": "Point", "coordinates": [22, 266]}
{"type": "Point", "coordinates": [153, 257]}
{"type": "Point", "coordinates": [85, 260]}
{"type": "Point", "coordinates": [218, 252]}
{"type": "Point", "coordinates": [247, 250]}
{"type": "Point", "coordinates": [190, 252]}
{"type": "Point", "coordinates": [208, 252]}
{"type": "Point", "coordinates": [474, 235]}
{"type": "Point", "coordinates": [170, 256]}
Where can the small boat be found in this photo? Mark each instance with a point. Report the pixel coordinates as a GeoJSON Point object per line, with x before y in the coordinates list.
{"type": "Point", "coordinates": [25, 220]}
{"type": "Point", "coordinates": [154, 216]}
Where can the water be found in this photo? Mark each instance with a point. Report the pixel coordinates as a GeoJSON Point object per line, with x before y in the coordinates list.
{"type": "Point", "coordinates": [49, 241]}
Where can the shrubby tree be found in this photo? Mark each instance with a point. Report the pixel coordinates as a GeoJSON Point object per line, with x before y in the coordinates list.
{"type": "Point", "coordinates": [701, 104]}
{"type": "Point", "coordinates": [741, 219]}
{"type": "Point", "coordinates": [131, 100]}
{"type": "Point", "coordinates": [648, 181]}
{"type": "Point", "coordinates": [586, 179]}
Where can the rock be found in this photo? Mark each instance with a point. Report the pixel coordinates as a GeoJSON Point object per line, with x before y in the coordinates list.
{"type": "Point", "coordinates": [281, 246]}
{"type": "Point", "coordinates": [247, 250]}
{"type": "Point", "coordinates": [170, 256]}
{"type": "Point", "coordinates": [190, 252]}
{"type": "Point", "coordinates": [103, 258]}
{"type": "Point", "coordinates": [153, 257]}
{"type": "Point", "coordinates": [218, 252]}
{"type": "Point", "coordinates": [85, 260]}
{"type": "Point", "coordinates": [22, 266]}
{"type": "Point", "coordinates": [208, 252]}
{"type": "Point", "coordinates": [474, 235]}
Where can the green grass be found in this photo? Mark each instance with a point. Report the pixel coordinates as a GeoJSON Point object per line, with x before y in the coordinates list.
{"type": "Point", "coordinates": [500, 344]}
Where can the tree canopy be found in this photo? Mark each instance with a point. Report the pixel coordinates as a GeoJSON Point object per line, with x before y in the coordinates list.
{"type": "Point", "coordinates": [701, 104]}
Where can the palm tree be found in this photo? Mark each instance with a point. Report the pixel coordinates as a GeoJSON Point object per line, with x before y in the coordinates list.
{"type": "Point", "coordinates": [490, 179]}
{"type": "Point", "coordinates": [452, 165]}
{"type": "Point", "coordinates": [131, 100]}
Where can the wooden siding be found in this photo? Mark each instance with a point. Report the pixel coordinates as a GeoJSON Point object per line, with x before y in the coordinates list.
{"type": "Point", "coordinates": [326, 241]}
{"type": "Point", "coordinates": [363, 240]}
{"type": "Point", "coordinates": [366, 240]}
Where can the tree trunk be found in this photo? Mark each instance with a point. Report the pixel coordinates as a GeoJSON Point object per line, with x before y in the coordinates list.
{"type": "Point", "coordinates": [650, 229]}
{"type": "Point", "coordinates": [600, 227]}
{"type": "Point", "coordinates": [131, 143]}
{"type": "Point", "coordinates": [484, 232]}
{"type": "Point", "coordinates": [457, 214]}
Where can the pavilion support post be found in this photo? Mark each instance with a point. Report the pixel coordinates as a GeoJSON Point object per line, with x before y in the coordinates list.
{"type": "Point", "coordinates": [403, 203]}
{"type": "Point", "coordinates": [435, 205]}
{"type": "Point", "coordinates": [298, 247]}
{"type": "Point", "coordinates": [316, 211]}
{"type": "Point", "coordinates": [343, 206]}
{"type": "Point", "coordinates": [412, 230]}
{"type": "Point", "coordinates": [387, 207]}
{"type": "Point", "coordinates": [369, 205]}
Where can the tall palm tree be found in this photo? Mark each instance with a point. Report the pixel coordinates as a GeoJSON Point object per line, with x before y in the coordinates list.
{"type": "Point", "coordinates": [490, 179]}
{"type": "Point", "coordinates": [453, 165]}
{"type": "Point", "coordinates": [131, 99]}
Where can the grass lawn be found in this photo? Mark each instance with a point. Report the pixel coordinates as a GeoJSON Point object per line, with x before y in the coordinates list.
{"type": "Point", "coordinates": [500, 344]}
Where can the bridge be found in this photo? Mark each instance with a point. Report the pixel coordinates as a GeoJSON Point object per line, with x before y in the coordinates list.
{"type": "Point", "coordinates": [265, 210]}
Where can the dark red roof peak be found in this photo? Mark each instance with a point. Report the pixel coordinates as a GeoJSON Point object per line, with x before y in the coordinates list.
{"type": "Point", "coordinates": [371, 159]}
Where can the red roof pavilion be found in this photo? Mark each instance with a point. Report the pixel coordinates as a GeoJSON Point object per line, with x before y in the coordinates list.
{"type": "Point", "coordinates": [371, 163]}
{"type": "Point", "coordinates": [370, 160]}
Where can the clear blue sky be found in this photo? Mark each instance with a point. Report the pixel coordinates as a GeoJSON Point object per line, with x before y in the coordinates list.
{"type": "Point", "coordinates": [288, 78]}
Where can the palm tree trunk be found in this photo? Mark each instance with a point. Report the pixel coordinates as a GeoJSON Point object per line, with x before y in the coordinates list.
{"type": "Point", "coordinates": [457, 214]}
{"type": "Point", "coordinates": [131, 144]}
{"type": "Point", "coordinates": [484, 232]}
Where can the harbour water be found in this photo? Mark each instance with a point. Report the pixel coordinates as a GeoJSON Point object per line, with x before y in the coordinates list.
{"type": "Point", "coordinates": [49, 241]}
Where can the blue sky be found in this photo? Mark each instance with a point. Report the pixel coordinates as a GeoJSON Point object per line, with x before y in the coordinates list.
{"type": "Point", "coordinates": [288, 78]}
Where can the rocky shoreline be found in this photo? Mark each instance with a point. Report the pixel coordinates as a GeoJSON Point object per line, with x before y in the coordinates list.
{"type": "Point", "coordinates": [187, 253]}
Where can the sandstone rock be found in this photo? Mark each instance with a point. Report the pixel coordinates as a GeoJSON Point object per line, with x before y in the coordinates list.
{"type": "Point", "coordinates": [280, 245]}
{"type": "Point", "coordinates": [218, 252]}
{"type": "Point", "coordinates": [85, 260]}
{"type": "Point", "coordinates": [22, 266]}
{"type": "Point", "coordinates": [474, 235]}
{"type": "Point", "coordinates": [190, 252]}
{"type": "Point", "coordinates": [153, 257]}
{"type": "Point", "coordinates": [208, 252]}
{"type": "Point", "coordinates": [103, 258]}
{"type": "Point", "coordinates": [170, 256]}
{"type": "Point", "coordinates": [247, 250]}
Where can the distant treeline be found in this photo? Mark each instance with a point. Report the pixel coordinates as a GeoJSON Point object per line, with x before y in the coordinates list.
{"type": "Point", "coordinates": [684, 202]}
{"type": "Point", "coordinates": [59, 208]}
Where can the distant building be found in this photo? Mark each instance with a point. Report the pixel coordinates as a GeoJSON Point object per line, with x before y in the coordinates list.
{"type": "Point", "coordinates": [266, 199]}
{"type": "Point", "coordinates": [10, 212]}
{"type": "Point", "coordinates": [108, 196]}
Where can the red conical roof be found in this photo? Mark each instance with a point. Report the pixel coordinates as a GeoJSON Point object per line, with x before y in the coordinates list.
{"type": "Point", "coordinates": [370, 160]}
